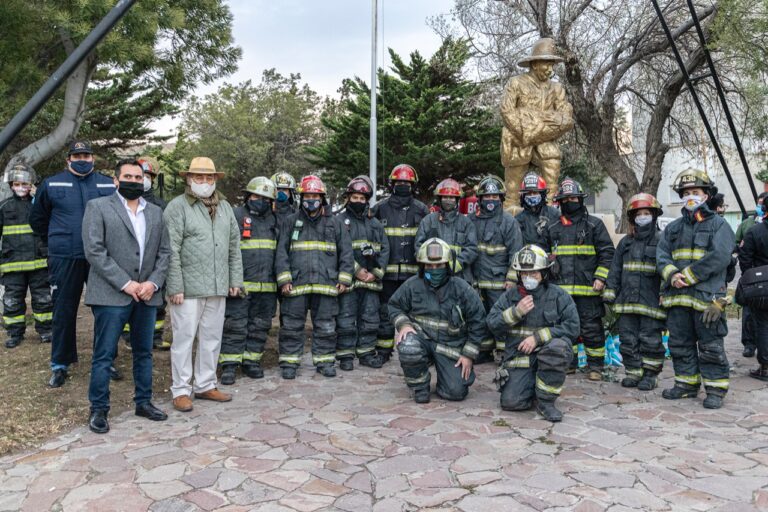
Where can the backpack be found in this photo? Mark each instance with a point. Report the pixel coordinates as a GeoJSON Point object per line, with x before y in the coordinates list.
{"type": "Point", "coordinates": [752, 290]}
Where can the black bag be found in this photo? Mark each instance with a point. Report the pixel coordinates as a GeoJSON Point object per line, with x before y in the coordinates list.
{"type": "Point", "coordinates": [752, 290]}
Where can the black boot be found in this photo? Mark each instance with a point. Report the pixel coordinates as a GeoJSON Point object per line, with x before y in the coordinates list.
{"type": "Point", "coordinates": [326, 370]}
{"type": "Point", "coordinates": [421, 395]}
{"type": "Point", "coordinates": [676, 393]}
{"type": "Point", "coordinates": [289, 372]}
{"type": "Point", "coordinates": [385, 355]}
{"type": "Point", "coordinates": [749, 351]}
{"type": "Point", "coordinates": [346, 365]}
{"type": "Point", "coordinates": [115, 374]}
{"type": "Point", "coordinates": [13, 342]}
{"type": "Point", "coordinates": [46, 337]}
{"type": "Point", "coordinates": [629, 382]}
{"type": "Point", "coordinates": [648, 382]}
{"type": "Point", "coordinates": [547, 409]}
{"type": "Point", "coordinates": [372, 361]}
{"type": "Point", "coordinates": [253, 371]}
{"type": "Point", "coordinates": [761, 373]}
{"type": "Point", "coordinates": [713, 401]}
{"type": "Point", "coordinates": [228, 374]}
{"type": "Point", "coordinates": [98, 422]}
{"type": "Point", "coordinates": [58, 377]}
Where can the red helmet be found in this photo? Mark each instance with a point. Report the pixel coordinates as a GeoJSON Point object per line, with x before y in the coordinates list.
{"type": "Point", "coordinates": [448, 188]}
{"type": "Point", "coordinates": [311, 185]}
{"type": "Point", "coordinates": [403, 172]}
{"type": "Point", "coordinates": [360, 185]}
{"type": "Point", "coordinates": [532, 182]}
{"type": "Point", "coordinates": [643, 200]}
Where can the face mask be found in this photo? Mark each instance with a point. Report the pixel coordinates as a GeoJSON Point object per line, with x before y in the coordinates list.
{"type": "Point", "coordinates": [81, 167]}
{"type": "Point", "coordinates": [569, 208]}
{"type": "Point", "coordinates": [311, 205]}
{"type": "Point", "coordinates": [281, 196]}
{"type": "Point", "coordinates": [402, 189]}
{"type": "Point", "coordinates": [147, 183]}
{"type": "Point", "coordinates": [259, 206]}
{"type": "Point", "coordinates": [533, 200]}
{"type": "Point", "coordinates": [202, 190]}
{"type": "Point", "coordinates": [22, 190]}
{"type": "Point", "coordinates": [692, 202]}
{"type": "Point", "coordinates": [490, 205]}
{"type": "Point", "coordinates": [436, 276]}
{"type": "Point", "coordinates": [758, 210]}
{"type": "Point", "coordinates": [356, 208]}
{"type": "Point", "coordinates": [643, 220]}
{"type": "Point", "coordinates": [130, 189]}
{"type": "Point", "coordinates": [448, 204]}
{"type": "Point", "coordinates": [530, 283]}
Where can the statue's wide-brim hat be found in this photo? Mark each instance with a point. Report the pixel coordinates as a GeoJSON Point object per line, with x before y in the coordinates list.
{"type": "Point", "coordinates": [543, 49]}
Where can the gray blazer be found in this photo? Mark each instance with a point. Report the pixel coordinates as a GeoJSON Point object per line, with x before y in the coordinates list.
{"type": "Point", "coordinates": [113, 252]}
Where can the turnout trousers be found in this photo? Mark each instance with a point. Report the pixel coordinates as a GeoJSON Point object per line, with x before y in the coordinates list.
{"type": "Point", "coordinates": [590, 311]}
{"type": "Point", "coordinates": [417, 354]}
{"type": "Point", "coordinates": [698, 352]}
{"type": "Point", "coordinates": [385, 337]}
{"type": "Point", "coordinates": [358, 323]}
{"type": "Point", "coordinates": [247, 321]}
{"type": "Point", "coordinates": [15, 302]}
{"type": "Point", "coordinates": [489, 298]}
{"type": "Point", "coordinates": [748, 328]}
{"type": "Point", "coordinates": [323, 310]}
{"type": "Point", "coordinates": [641, 347]}
{"type": "Point", "coordinates": [540, 374]}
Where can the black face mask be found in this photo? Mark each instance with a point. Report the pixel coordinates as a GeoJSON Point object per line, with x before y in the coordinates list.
{"type": "Point", "coordinates": [569, 208]}
{"type": "Point", "coordinates": [402, 189]}
{"type": "Point", "coordinates": [356, 208]}
{"type": "Point", "coordinates": [259, 206]}
{"type": "Point", "coordinates": [130, 189]}
{"type": "Point", "coordinates": [448, 204]}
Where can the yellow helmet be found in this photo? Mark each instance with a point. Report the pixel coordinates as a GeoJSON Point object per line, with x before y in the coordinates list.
{"type": "Point", "coordinates": [261, 186]}
{"type": "Point", "coordinates": [530, 257]}
{"type": "Point", "coordinates": [435, 251]}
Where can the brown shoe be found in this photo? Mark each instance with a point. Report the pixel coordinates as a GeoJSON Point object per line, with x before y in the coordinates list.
{"type": "Point", "coordinates": [215, 395]}
{"type": "Point", "coordinates": [182, 403]}
{"type": "Point", "coordinates": [594, 375]}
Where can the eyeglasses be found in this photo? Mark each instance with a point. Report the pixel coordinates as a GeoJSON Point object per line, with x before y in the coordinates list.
{"type": "Point", "coordinates": [204, 178]}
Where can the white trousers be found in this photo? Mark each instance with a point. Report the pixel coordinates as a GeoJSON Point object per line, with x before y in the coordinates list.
{"type": "Point", "coordinates": [202, 318]}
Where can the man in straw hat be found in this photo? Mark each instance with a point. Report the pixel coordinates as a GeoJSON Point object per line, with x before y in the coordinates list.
{"type": "Point", "coordinates": [535, 114]}
{"type": "Point", "coordinates": [206, 266]}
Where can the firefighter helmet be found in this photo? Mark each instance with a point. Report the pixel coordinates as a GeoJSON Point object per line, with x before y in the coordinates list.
{"type": "Point", "coordinates": [149, 165]}
{"type": "Point", "coordinates": [403, 172]}
{"type": "Point", "coordinates": [490, 185]}
{"type": "Point", "coordinates": [360, 185]}
{"type": "Point", "coordinates": [532, 182]}
{"type": "Point", "coordinates": [692, 178]}
{"type": "Point", "coordinates": [570, 188]}
{"type": "Point", "coordinates": [435, 251]}
{"type": "Point", "coordinates": [448, 188]}
{"type": "Point", "coordinates": [261, 186]}
{"type": "Point", "coordinates": [644, 201]}
{"type": "Point", "coordinates": [22, 173]}
{"type": "Point", "coordinates": [311, 185]}
{"type": "Point", "coordinates": [530, 258]}
{"type": "Point", "coordinates": [283, 180]}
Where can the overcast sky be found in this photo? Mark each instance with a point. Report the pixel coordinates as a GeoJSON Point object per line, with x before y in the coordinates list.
{"type": "Point", "coordinates": [325, 41]}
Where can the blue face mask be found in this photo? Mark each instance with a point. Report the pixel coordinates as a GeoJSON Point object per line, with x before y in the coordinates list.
{"type": "Point", "coordinates": [759, 210]}
{"type": "Point", "coordinates": [436, 276]}
{"type": "Point", "coordinates": [282, 196]}
{"type": "Point", "coordinates": [81, 167]}
{"type": "Point", "coordinates": [311, 205]}
{"type": "Point", "coordinates": [533, 200]}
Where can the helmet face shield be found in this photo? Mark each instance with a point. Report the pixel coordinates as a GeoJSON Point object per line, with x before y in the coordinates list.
{"type": "Point", "coordinates": [435, 253]}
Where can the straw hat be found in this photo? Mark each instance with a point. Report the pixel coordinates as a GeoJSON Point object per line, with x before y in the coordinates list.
{"type": "Point", "coordinates": [201, 165]}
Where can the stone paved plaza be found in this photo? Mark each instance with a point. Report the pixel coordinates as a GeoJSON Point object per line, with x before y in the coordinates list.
{"type": "Point", "coordinates": [359, 443]}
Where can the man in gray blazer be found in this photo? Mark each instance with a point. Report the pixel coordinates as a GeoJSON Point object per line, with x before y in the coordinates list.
{"type": "Point", "coordinates": [127, 246]}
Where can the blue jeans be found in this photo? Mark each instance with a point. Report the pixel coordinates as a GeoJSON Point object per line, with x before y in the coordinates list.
{"type": "Point", "coordinates": [108, 324]}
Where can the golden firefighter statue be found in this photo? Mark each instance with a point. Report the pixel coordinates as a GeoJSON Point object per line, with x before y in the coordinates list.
{"type": "Point", "coordinates": [535, 114]}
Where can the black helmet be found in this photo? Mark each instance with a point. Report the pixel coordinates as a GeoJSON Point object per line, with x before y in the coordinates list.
{"type": "Point", "coordinates": [570, 188]}
{"type": "Point", "coordinates": [490, 185]}
{"type": "Point", "coordinates": [693, 178]}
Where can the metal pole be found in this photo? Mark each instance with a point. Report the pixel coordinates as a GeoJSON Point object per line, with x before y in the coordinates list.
{"type": "Point", "coordinates": [723, 102]}
{"type": "Point", "coordinates": [696, 102]}
{"type": "Point", "coordinates": [372, 147]}
{"type": "Point", "coordinates": [25, 115]}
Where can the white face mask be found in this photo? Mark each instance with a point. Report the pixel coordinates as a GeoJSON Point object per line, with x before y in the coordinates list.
{"type": "Point", "coordinates": [202, 190]}
{"type": "Point", "coordinates": [643, 220]}
{"type": "Point", "coordinates": [22, 190]}
{"type": "Point", "coordinates": [692, 201]}
{"type": "Point", "coordinates": [147, 183]}
{"type": "Point", "coordinates": [530, 283]}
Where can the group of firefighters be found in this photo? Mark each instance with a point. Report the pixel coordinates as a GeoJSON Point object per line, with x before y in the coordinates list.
{"type": "Point", "coordinates": [448, 289]}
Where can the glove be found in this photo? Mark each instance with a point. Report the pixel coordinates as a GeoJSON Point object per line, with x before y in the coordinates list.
{"type": "Point", "coordinates": [500, 378]}
{"type": "Point", "coordinates": [713, 313]}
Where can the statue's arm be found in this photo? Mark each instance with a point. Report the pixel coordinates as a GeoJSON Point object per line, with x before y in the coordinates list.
{"type": "Point", "coordinates": [509, 111]}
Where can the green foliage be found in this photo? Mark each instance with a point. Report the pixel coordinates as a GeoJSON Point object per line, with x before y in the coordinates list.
{"type": "Point", "coordinates": [428, 116]}
{"type": "Point", "coordinates": [762, 175]}
{"type": "Point", "coordinates": [254, 130]}
{"type": "Point", "coordinates": [579, 164]}
{"type": "Point", "coordinates": [158, 53]}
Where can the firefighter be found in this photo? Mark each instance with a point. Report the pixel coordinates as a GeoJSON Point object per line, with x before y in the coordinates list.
{"type": "Point", "coordinates": [633, 291]}
{"type": "Point", "coordinates": [285, 200]}
{"type": "Point", "coordinates": [400, 214]}
{"type": "Point", "coordinates": [498, 239]}
{"type": "Point", "coordinates": [439, 320]}
{"type": "Point", "coordinates": [314, 265]}
{"type": "Point", "coordinates": [23, 263]}
{"type": "Point", "coordinates": [248, 318]}
{"type": "Point", "coordinates": [583, 252]}
{"type": "Point", "coordinates": [539, 323]}
{"type": "Point", "coordinates": [692, 257]}
{"type": "Point", "coordinates": [754, 253]}
{"type": "Point", "coordinates": [358, 320]}
{"type": "Point", "coordinates": [451, 227]}
{"type": "Point", "coordinates": [536, 214]}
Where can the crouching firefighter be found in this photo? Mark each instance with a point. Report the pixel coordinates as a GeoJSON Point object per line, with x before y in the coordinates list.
{"type": "Point", "coordinates": [314, 265]}
{"type": "Point", "coordinates": [692, 257]}
{"type": "Point", "coordinates": [539, 322]}
{"type": "Point", "coordinates": [633, 290]}
{"type": "Point", "coordinates": [358, 320]}
{"type": "Point", "coordinates": [439, 320]}
{"type": "Point", "coordinates": [247, 318]}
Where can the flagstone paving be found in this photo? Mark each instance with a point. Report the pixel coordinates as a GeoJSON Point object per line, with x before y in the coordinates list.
{"type": "Point", "coordinates": [358, 443]}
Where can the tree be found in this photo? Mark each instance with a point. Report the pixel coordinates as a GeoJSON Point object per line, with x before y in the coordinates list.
{"type": "Point", "coordinates": [615, 54]}
{"type": "Point", "coordinates": [140, 72]}
{"type": "Point", "coordinates": [256, 130]}
{"type": "Point", "coordinates": [428, 116]}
